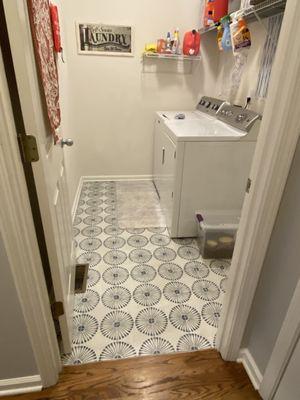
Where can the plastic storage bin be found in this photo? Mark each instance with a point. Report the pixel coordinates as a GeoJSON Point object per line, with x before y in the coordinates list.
{"type": "Point", "coordinates": [217, 233]}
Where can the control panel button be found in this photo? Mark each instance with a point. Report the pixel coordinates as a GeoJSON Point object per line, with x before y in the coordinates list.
{"type": "Point", "coordinates": [241, 117]}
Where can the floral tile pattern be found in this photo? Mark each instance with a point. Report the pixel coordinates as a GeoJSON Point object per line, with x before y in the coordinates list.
{"type": "Point", "coordinates": [147, 294]}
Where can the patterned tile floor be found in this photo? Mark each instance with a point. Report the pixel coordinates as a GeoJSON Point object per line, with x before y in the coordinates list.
{"type": "Point", "coordinates": [147, 294]}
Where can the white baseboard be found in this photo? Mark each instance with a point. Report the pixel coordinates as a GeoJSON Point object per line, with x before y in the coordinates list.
{"type": "Point", "coordinates": [25, 384]}
{"type": "Point", "coordinates": [251, 367]}
{"type": "Point", "coordinates": [76, 199]}
{"type": "Point", "coordinates": [114, 178]}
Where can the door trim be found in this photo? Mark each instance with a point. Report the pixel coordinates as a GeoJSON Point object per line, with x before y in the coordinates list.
{"type": "Point", "coordinates": [286, 342]}
{"type": "Point", "coordinates": [22, 248]}
{"type": "Point", "coordinates": [272, 160]}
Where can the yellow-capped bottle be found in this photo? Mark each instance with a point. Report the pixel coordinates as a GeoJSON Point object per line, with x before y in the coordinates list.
{"type": "Point", "coordinates": [219, 37]}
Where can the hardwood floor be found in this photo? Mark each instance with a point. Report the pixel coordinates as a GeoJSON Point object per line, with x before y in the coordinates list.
{"type": "Point", "coordinates": [199, 375]}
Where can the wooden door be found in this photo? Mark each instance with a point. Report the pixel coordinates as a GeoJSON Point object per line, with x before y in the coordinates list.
{"type": "Point", "coordinates": [49, 171]}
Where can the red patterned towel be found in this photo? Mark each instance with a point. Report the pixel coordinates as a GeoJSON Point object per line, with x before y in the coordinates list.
{"type": "Point", "coordinates": [43, 43]}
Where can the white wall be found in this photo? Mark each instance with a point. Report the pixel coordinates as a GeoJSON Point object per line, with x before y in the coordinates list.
{"type": "Point", "coordinates": [279, 276]}
{"type": "Point", "coordinates": [108, 103]}
{"type": "Point", "coordinates": [17, 359]}
{"type": "Point", "coordinates": [111, 100]}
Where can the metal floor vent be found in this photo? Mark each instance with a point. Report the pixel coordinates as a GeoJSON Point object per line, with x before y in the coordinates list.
{"type": "Point", "coordinates": [81, 275]}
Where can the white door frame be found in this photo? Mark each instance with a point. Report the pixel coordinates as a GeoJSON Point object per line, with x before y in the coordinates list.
{"type": "Point", "coordinates": [272, 160]}
{"type": "Point", "coordinates": [21, 245]}
{"type": "Point", "coordinates": [285, 344]}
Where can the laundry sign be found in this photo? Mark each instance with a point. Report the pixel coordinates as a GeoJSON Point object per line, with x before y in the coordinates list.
{"type": "Point", "coordinates": [101, 39]}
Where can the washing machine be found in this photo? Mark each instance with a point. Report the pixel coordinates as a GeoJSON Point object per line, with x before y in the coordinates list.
{"type": "Point", "coordinates": [206, 110]}
{"type": "Point", "coordinates": [202, 163]}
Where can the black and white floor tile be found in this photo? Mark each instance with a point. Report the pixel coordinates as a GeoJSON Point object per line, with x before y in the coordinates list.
{"type": "Point", "coordinates": [147, 294]}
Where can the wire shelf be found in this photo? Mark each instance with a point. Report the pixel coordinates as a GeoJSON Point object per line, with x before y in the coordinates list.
{"type": "Point", "coordinates": [266, 9]}
{"type": "Point", "coordinates": [171, 57]}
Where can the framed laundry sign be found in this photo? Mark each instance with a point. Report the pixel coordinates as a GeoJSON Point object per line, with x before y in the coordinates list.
{"type": "Point", "coordinates": [104, 40]}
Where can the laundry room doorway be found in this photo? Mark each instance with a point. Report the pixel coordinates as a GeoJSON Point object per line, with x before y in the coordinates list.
{"type": "Point", "coordinates": [52, 185]}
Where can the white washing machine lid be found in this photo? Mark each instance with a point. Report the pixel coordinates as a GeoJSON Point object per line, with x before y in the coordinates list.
{"type": "Point", "coordinates": [195, 130]}
{"type": "Point", "coordinates": [189, 115]}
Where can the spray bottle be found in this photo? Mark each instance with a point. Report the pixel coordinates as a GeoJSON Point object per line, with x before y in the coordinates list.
{"type": "Point", "coordinates": [175, 47]}
{"type": "Point", "coordinates": [168, 43]}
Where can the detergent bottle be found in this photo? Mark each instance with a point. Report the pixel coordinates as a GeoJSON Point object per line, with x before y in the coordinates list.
{"type": "Point", "coordinates": [240, 35]}
{"type": "Point", "coordinates": [209, 14]}
{"type": "Point", "coordinates": [214, 11]}
{"type": "Point", "coordinates": [191, 43]}
{"type": "Point", "coordinates": [219, 36]}
{"type": "Point", "coordinates": [226, 39]}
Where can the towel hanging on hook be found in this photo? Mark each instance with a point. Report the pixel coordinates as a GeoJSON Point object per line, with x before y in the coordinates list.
{"type": "Point", "coordinates": [44, 49]}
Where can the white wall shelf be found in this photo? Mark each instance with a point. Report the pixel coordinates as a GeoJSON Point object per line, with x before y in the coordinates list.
{"type": "Point", "coordinates": [267, 8]}
{"type": "Point", "coordinates": [171, 57]}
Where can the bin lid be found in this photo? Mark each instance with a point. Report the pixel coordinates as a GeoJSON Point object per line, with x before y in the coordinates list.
{"type": "Point", "coordinates": [225, 219]}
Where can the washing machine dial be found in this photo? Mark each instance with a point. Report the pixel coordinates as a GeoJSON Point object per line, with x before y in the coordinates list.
{"type": "Point", "coordinates": [241, 117]}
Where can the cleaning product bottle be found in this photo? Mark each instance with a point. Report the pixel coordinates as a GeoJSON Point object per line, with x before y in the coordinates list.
{"type": "Point", "coordinates": [219, 36]}
{"type": "Point", "coordinates": [214, 11]}
{"type": "Point", "coordinates": [191, 43]}
{"type": "Point", "coordinates": [226, 39]}
{"type": "Point", "coordinates": [175, 46]}
{"type": "Point", "coordinates": [161, 45]}
{"type": "Point", "coordinates": [240, 35]}
{"type": "Point", "coordinates": [220, 9]}
{"type": "Point", "coordinates": [209, 13]}
{"type": "Point", "coordinates": [168, 43]}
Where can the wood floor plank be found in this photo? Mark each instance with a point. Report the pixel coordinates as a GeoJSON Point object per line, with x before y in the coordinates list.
{"type": "Point", "coordinates": [180, 376]}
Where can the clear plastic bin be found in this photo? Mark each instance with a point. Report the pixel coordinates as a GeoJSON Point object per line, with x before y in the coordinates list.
{"type": "Point", "coordinates": [217, 232]}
